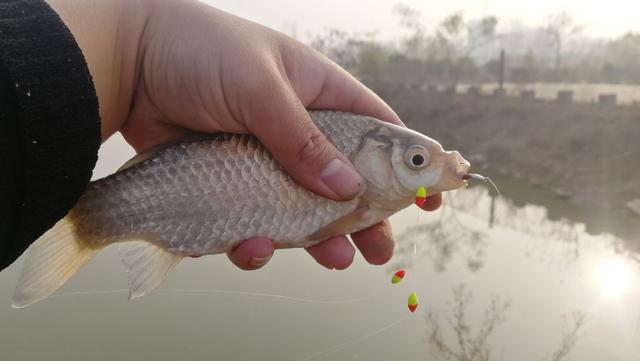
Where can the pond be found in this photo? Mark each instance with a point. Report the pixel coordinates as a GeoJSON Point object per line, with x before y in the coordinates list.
{"type": "Point", "coordinates": [505, 278]}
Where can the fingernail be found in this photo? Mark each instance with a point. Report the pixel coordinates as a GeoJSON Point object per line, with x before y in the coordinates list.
{"type": "Point", "coordinates": [342, 179]}
{"type": "Point", "coordinates": [258, 262]}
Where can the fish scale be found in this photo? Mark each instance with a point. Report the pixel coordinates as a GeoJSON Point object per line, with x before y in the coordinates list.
{"type": "Point", "coordinates": [251, 196]}
{"type": "Point", "coordinates": [204, 196]}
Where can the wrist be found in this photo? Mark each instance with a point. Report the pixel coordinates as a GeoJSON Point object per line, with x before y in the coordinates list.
{"type": "Point", "coordinates": [108, 33]}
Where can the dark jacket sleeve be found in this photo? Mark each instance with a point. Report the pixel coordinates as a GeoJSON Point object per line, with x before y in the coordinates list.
{"type": "Point", "coordinates": [49, 123]}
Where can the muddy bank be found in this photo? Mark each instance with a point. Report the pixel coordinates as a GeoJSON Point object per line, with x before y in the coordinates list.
{"type": "Point", "coordinates": [582, 153]}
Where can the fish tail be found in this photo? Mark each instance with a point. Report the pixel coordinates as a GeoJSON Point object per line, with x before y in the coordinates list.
{"type": "Point", "coordinates": [50, 262]}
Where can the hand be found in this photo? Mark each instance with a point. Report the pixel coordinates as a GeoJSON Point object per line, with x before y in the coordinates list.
{"type": "Point", "coordinates": [172, 67]}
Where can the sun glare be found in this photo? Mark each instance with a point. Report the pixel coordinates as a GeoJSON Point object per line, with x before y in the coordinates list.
{"type": "Point", "coordinates": [614, 277]}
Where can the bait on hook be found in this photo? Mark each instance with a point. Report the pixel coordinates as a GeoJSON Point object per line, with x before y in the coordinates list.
{"type": "Point", "coordinates": [481, 178]}
{"type": "Point", "coordinates": [422, 193]}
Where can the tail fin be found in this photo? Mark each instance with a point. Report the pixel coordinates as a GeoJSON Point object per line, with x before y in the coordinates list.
{"type": "Point", "coordinates": [51, 261]}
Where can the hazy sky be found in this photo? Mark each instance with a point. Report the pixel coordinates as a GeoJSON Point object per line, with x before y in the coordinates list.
{"type": "Point", "coordinates": [601, 18]}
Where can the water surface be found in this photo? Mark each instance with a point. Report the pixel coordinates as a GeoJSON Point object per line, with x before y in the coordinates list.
{"type": "Point", "coordinates": [537, 281]}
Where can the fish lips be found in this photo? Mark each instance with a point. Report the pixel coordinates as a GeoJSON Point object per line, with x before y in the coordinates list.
{"type": "Point", "coordinates": [454, 169]}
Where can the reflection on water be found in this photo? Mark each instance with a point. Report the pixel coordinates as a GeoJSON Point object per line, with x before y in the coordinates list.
{"type": "Point", "coordinates": [466, 340]}
{"type": "Point", "coordinates": [537, 286]}
{"type": "Point", "coordinates": [440, 241]}
{"type": "Point", "coordinates": [615, 276]}
{"type": "Point", "coordinates": [460, 338]}
{"type": "Point", "coordinates": [461, 232]}
{"type": "Point", "coordinates": [449, 237]}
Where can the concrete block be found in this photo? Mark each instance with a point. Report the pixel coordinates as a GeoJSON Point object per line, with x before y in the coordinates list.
{"type": "Point", "coordinates": [529, 95]}
{"type": "Point", "coordinates": [607, 100]}
{"type": "Point", "coordinates": [565, 97]}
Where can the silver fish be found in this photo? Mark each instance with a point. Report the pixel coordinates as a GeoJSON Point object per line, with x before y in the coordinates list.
{"type": "Point", "coordinates": [205, 196]}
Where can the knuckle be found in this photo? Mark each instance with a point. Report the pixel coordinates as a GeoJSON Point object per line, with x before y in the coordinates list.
{"type": "Point", "coordinates": [313, 148]}
{"type": "Point", "coordinates": [263, 86]}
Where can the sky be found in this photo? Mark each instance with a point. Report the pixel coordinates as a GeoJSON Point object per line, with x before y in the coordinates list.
{"type": "Point", "coordinates": [601, 18]}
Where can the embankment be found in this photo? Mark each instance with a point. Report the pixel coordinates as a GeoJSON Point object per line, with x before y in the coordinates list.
{"type": "Point", "coordinates": [584, 153]}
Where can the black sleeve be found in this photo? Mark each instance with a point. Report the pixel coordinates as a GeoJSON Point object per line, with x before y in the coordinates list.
{"type": "Point", "coordinates": [49, 123]}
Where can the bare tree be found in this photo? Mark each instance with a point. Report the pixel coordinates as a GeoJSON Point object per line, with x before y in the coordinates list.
{"type": "Point", "coordinates": [560, 27]}
{"type": "Point", "coordinates": [449, 35]}
{"type": "Point", "coordinates": [481, 33]}
{"type": "Point", "coordinates": [572, 326]}
{"type": "Point", "coordinates": [471, 344]}
{"type": "Point", "coordinates": [359, 53]}
{"type": "Point", "coordinates": [411, 19]}
{"type": "Point", "coordinates": [465, 37]}
{"type": "Point", "coordinates": [460, 39]}
{"type": "Point", "coordinates": [335, 44]}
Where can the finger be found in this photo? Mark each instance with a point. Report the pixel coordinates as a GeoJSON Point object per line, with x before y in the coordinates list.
{"type": "Point", "coordinates": [305, 153]}
{"type": "Point", "coordinates": [341, 91]}
{"type": "Point", "coordinates": [432, 202]}
{"type": "Point", "coordinates": [252, 253]}
{"type": "Point", "coordinates": [144, 129]}
{"type": "Point", "coordinates": [375, 243]}
{"type": "Point", "coordinates": [322, 84]}
{"type": "Point", "coordinates": [334, 253]}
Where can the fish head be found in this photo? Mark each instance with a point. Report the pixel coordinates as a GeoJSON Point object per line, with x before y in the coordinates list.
{"type": "Point", "coordinates": [395, 161]}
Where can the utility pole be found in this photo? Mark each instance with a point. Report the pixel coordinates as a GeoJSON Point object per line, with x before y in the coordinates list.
{"type": "Point", "coordinates": [501, 73]}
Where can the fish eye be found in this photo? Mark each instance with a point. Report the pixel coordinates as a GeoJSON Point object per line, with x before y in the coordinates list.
{"type": "Point", "coordinates": [417, 160]}
{"type": "Point", "coordinates": [416, 157]}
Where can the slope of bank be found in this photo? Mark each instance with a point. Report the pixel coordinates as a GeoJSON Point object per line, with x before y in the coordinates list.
{"type": "Point", "coordinates": [580, 152]}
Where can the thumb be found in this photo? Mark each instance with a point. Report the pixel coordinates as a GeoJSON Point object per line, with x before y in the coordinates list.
{"type": "Point", "coordinates": [284, 126]}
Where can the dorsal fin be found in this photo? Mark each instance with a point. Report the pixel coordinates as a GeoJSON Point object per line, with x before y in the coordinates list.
{"type": "Point", "coordinates": [142, 156]}
{"type": "Point", "coordinates": [151, 152]}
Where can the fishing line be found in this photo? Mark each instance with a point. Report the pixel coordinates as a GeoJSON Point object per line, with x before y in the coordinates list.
{"type": "Point", "coordinates": [200, 292]}
{"type": "Point", "coordinates": [415, 243]}
{"type": "Point", "coordinates": [203, 292]}
{"type": "Point", "coordinates": [87, 293]}
{"type": "Point", "coordinates": [494, 187]}
{"type": "Point", "coordinates": [356, 339]}
{"type": "Point", "coordinates": [481, 178]}
{"type": "Point", "coordinates": [395, 323]}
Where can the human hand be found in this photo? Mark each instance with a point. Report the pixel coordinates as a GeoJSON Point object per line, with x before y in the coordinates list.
{"type": "Point", "coordinates": [174, 67]}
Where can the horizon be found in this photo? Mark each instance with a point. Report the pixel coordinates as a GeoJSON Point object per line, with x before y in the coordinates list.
{"type": "Point", "coordinates": [610, 21]}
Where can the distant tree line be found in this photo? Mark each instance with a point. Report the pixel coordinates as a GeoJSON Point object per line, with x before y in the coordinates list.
{"type": "Point", "coordinates": [461, 50]}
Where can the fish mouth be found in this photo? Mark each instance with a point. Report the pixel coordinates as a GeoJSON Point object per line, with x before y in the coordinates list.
{"type": "Point", "coordinates": [455, 171]}
{"type": "Point", "coordinates": [466, 178]}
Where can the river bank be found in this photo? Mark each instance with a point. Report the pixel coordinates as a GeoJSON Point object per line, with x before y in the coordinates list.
{"type": "Point", "coordinates": [580, 153]}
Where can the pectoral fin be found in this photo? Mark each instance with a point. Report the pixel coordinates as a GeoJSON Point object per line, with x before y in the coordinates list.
{"type": "Point", "coordinates": [345, 225]}
{"type": "Point", "coordinates": [147, 264]}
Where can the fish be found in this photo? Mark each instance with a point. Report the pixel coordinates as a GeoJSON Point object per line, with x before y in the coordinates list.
{"type": "Point", "coordinates": [204, 195]}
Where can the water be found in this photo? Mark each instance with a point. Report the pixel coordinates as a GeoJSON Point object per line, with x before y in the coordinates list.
{"type": "Point", "coordinates": [544, 273]}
